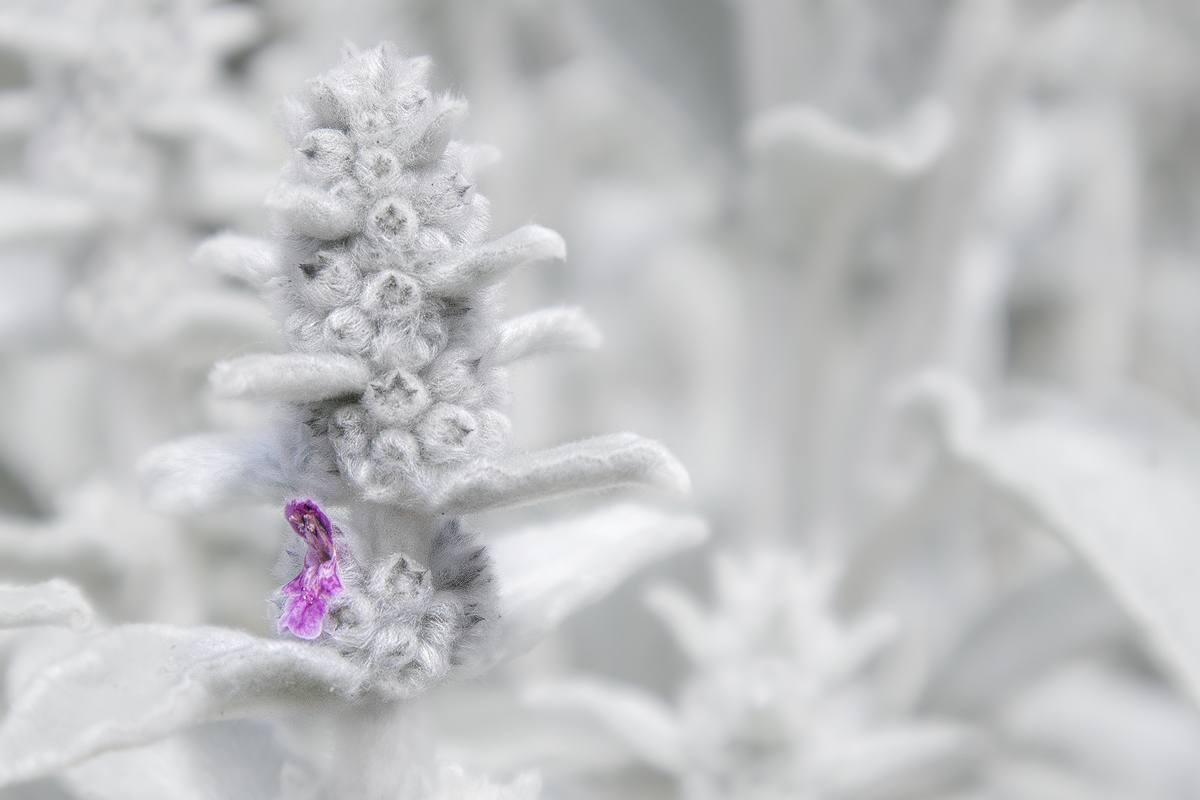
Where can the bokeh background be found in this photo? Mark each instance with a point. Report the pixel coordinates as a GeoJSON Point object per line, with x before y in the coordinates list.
{"type": "Point", "coordinates": [823, 238]}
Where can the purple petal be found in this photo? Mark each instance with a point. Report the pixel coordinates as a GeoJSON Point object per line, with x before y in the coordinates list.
{"type": "Point", "coordinates": [328, 581]}
{"type": "Point", "coordinates": [309, 592]}
{"type": "Point", "coordinates": [303, 614]}
{"type": "Point", "coordinates": [310, 523]}
{"type": "Point", "coordinates": [295, 586]}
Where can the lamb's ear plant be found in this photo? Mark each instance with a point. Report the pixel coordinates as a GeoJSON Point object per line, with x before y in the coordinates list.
{"type": "Point", "coordinates": [385, 283]}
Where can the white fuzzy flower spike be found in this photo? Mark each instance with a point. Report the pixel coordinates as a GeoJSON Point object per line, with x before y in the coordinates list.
{"type": "Point", "coordinates": [384, 281]}
{"type": "Point", "coordinates": [385, 284]}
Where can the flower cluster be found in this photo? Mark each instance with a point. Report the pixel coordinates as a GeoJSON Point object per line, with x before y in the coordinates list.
{"type": "Point", "coordinates": [386, 289]}
{"type": "Point", "coordinates": [405, 623]}
{"type": "Point", "coordinates": [308, 594]}
{"type": "Point", "coordinates": [387, 292]}
{"type": "Point", "coordinates": [381, 219]}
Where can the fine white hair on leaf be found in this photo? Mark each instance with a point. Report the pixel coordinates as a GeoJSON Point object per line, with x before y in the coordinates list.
{"type": "Point", "coordinates": [136, 684]}
{"type": "Point", "coordinates": [601, 462]}
{"type": "Point", "coordinates": [204, 471]}
{"type": "Point", "coordinates": [250, 258]}
{"type": "Point", "coordinates": [55, 602]}
{"type": "Point", "coordinates": [433, 140]}
{"type": "Point", "coordinates": [325, 215]}
{"type": "Point", "coordinates": [550, 330]}
{"type": "Point", "coordinates": [489, 263]}
{"type": "Point", "coordinates": [297, 377]}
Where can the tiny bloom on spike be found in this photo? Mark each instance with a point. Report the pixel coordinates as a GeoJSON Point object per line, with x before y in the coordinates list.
{"type": "Point", "coordinates": [310, 591]}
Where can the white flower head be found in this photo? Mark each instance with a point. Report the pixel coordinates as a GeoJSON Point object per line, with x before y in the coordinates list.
{"type": "Point", "coordinates": [385, 284]}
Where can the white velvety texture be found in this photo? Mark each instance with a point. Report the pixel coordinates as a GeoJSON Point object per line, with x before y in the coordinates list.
{"type": "Point", "coordinates": [602, 462]}
{"type": "Point", "coordinates": [135, 684]}
{"type": "Point", "coordinates": [296, 377]}
{"type": "Point", "coordinates": [250, 258]}
{"type": "Point", "coordinates": [550, 330]}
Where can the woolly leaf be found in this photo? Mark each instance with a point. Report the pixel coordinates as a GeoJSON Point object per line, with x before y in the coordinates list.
{"type": "Point", "coordinates": [1118, 481]}
{"type": "Point", "coordinates": [549, 572]}
{"type": "Point", "coordinates": [432, 142]}
{"type": "Point", "coordinates": [489, 263]}
{"type": "Point", "coordinates": [550, 330]}
{"type": "Point", "coordinates": [139, 683]}
{"type": "Point", "coordinates": [299, 377]}
{"type": "Point", "coordinates": [253, 260]}
{"type": "Point", "coordinates": [599, 463]}
{"type": "Point", "coordinates": [54, 602]}
{"type": "Point", "coordinates": [325, 215]}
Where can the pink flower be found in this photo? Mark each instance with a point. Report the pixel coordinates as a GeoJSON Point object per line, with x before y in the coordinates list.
{"type": "Point", "coordinates": [310, 591]}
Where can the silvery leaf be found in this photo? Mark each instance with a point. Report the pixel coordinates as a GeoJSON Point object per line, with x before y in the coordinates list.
{"type": "Point", "coordinates": [136, 684]}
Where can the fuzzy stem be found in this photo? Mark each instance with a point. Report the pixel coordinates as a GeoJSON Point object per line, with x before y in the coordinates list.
{"type": "Point", "coordinates": [383, 750]}
{"type": "Point", "coordinates": [385, 529]}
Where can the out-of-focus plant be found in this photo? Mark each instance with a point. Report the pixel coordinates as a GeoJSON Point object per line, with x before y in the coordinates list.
{"type": "Point", "coordinates": [384, 286]}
